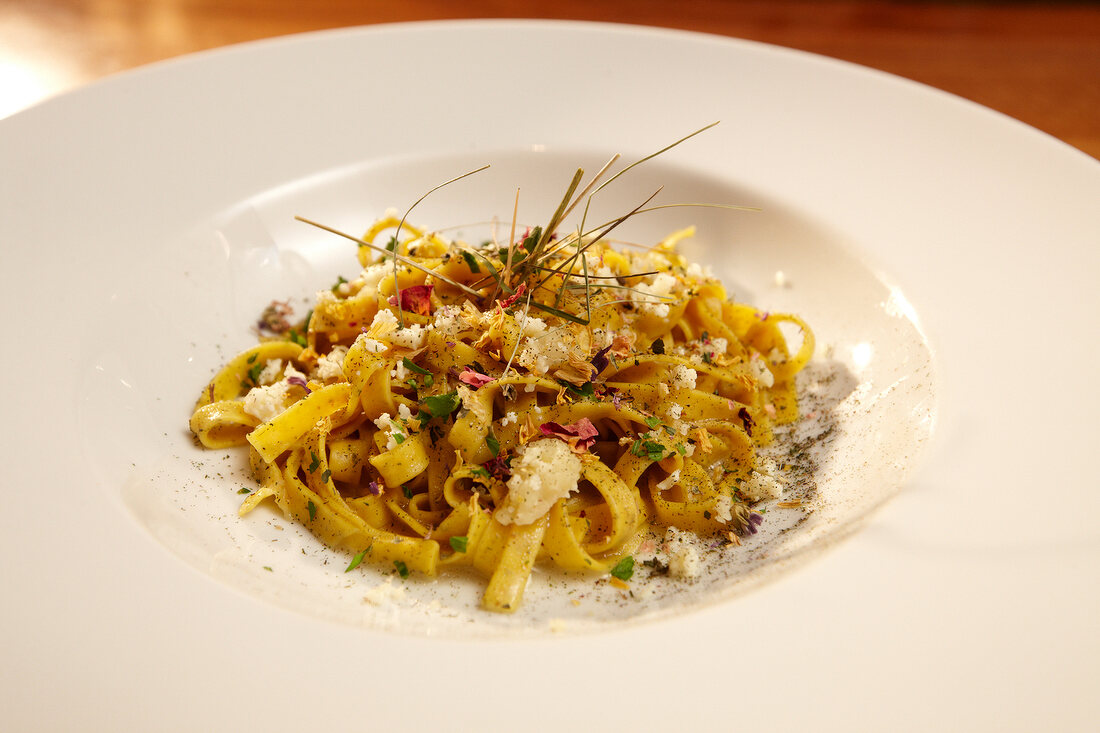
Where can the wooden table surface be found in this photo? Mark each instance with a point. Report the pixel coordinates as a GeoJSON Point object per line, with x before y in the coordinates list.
{"type": "Point", "coordinates": [1037, 62]}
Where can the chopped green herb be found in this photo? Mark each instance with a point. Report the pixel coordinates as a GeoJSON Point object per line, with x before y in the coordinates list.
{"type": "Point", "coordinates": [587, 390]}
{"type": "Point", "coordinates": [532, 239]}
{"type": "Point", "coordinates": [254, 373]}
{"type": "Point", "coordinates": [652, 421]}
{"type": "Point", "coordinates": [297, 337]}
{"type": "Point", "coordinates": [316, 462]}
{"type": "Point", "coordinates": [706, 357]}
{"type": "Point", "coordinates": [398, 438]}
{"type": "Point", "coordinates": [471, 262]}
{"type": "Point", "coordinates": [493, 443]}
{"type": "Point", "coordinates": [658, 347]}
{"type": "Point", "coordinates": [458, 543]}
{"type": "Point", "coordinates": [651, 449]}
{"type": "Point", "coordinates": [268, 569]}
{"type": "Point", "coordinates": [624, 569]}
{"type": "Point", "coordinates": [407, 492]}
{"type": "Point", "coordinates": [413, 367]}
{"type": "Point", "coordinates": [252, 358]}
{"type": "Point", "coordinates": [681, 449]}
{"type": "Point", "coordinates": [402, 568]}
{"type": "Point", "coordinates": [339, 281]}
{"type": "Point", "coordinates": [479, 471]}
{"type": "Point", "coordinates": [442, 405]}
{"type": "Point", "coordinates": [356, 560]}
{"type": "Point", "coordinates": [326, 475]}
{"type": "Point", "coordinates": [245, 491]}
{"type": "Point", "coordinates": [392, 244]}
{"type": "Point", "coordinates": [312, 509]}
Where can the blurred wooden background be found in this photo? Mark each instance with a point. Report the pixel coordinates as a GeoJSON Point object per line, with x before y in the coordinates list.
{"type": "Point", "coordinates": [1038, 62]}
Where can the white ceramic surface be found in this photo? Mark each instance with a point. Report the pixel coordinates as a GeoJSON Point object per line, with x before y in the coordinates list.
{"type": "Point", "coordinates": [946, 253]}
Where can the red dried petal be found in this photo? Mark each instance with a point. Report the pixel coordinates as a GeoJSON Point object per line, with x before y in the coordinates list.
{"type": "Point", "coordinates": [415, 299]}
{"type": "Point", "coordinates": [580, 435]}
{"type": "Point", "coordinates": [473, 378]}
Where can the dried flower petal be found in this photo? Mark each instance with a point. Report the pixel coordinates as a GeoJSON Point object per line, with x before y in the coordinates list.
{"type": "Point", "coordinates": [580, 435]}
{"type": "Point", "coordinates": [415, 299]}
{"type": "Point", "coordinates": [474, 378]}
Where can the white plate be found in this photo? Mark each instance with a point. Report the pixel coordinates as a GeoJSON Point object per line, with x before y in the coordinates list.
{"type": "Point", "coordinates": [947, 253]}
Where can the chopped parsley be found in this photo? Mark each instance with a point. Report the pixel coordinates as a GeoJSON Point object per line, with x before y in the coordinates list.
{"type": "Point", "coordinates": [586, 390]}
{"type": "Point", "coordinates": [440, 405]}
{"type": "Point", "coordinates": [493, 443]}
{"type": "Point", "coordinates": [458, 543]}
{"type": "Point", "coordinates": [402, 568]}
{"type": "Point", "coordinates": [254, 373]}
{"type": "Point", "coordinates": [651, 449]}
{"type": "Point", "coordinates": [245, 491]}
{"type": "Point", "coordinates": [356, 560]}
{"type": "Point", "coordinates": [624, 569]}
{"type": "Point", "coordinates": [312, 509]}
{"type": "Point", "coordinates": [326, 475]}
{"type": "Point", "coordinates": [339, 281]}
{"type": "Point", "coordinates": [652, 421]}
{"type": "Point", "coordinates": [413, 367]}
{"type": "Point", "coordinates": [316, 462]}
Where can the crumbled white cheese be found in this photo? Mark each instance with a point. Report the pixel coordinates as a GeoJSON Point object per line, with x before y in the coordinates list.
{"type": "Point", "coordinates": [544, 472]}
{"type": "Point", "coordinates": [508, 419]}
{"type": "Point", "coordinates": [683, 559]}
{"type": "Point", "coordinates": [448, 321]}
{"type": "Point", "coordinates": [404, 412]}
{"type": "Point", "coordinates": [669, 481]}
{"type": "Point", "coordinates": [685, 563]}
{"type": "Point", "coordinates": [674, 411]}
{"type": "Point", "coordinates": [682, 377]}
{"type": "Point", "coordinates": [760, 371]}
{"type": "Point", "coordinates": [271, 372]}
{"type": "Point", "coordinates": [331, 365]}
{"type": "Point", "coordinates": [700, 272]}
{"type": "Point", "coordinates": [543, 354]}
{"type": "Point", "coordinates": [719, 345]}
{"type": "Point", "coordinates": [371, 346]}
{"type": "Point", "coordinates": [533, 327]}
{"type": "Point", "coordinates": [265, 402]}
{"type": "Point", "coordinates": [383, 320]}
{"type": "Point", "coordinates": [384, 593]}
{"type": "Point", "coordinates": [399, 372]}
{"type": "Point", "coordinates": [372, 276]}
{"type": "Point", "coordinates": [652, 298]}
{"type": "Point", "coordinates": [409, 337]}
{"type": "Point", "coordinates": [764, 483]}
{"type": "Point", "coordinates": [386, 424]}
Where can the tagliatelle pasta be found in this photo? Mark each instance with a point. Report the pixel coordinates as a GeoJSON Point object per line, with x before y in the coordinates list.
{"type": "Point", "coordinates": [547, 399]}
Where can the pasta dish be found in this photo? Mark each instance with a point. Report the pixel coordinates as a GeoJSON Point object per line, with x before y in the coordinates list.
{"type": "Point", "coordinates": [548, 398]}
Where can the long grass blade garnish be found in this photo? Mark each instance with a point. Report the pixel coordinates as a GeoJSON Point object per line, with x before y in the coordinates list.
{"type": "Point", "coordinates": [400, 258]}
{"type": "Point", "coordinates": [535, 254]}
{"type": "Point", "coordinates": [396, 284]}
{"type": "Point", "coordinates": [653, 155]}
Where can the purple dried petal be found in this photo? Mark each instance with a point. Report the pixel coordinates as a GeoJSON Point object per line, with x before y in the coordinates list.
{"type": "Point", "coordinates": [298, 381]}
{"type": "Point", "coordinates": [600, 360]}
{"type": "Point", "coordinates": [374, 488]}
